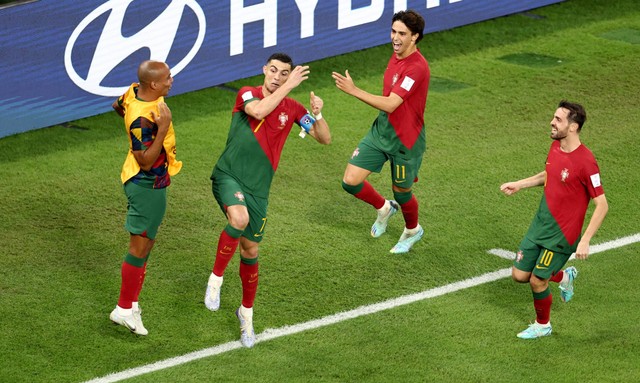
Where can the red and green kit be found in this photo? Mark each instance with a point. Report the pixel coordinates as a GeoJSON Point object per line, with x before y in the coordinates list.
{"type": "Point", "coordinates": [572, 180]}
{"type": "Point", "coordinates": [253, 147]}
{"type": "Point", "coordinates": [399, 136]}
{"type": "Point", "coordinates": [409, 79]}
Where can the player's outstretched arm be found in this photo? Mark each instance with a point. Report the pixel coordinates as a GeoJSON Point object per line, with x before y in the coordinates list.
{"type": "Point", "coordinates": [386, 104]}
{"type": "Point", "coordinates": [513, 187]}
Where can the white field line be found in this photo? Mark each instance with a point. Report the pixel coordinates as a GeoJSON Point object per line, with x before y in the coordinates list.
{"type": "Point", "coordinates": [624, 241]}
{"type": "Point", "coordinates": [269, 334]}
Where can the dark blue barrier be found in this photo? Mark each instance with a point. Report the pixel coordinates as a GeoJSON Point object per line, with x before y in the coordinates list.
{"type": "Point", "coordinates": [67, 59]}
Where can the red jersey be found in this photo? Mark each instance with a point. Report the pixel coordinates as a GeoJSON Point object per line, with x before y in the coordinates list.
{"type": "Point", "coordinates": [409, 79]}
{"type": "Point", "coordinates": [253, 148]}
{"type": "Point", "coordinates": [572, 180]}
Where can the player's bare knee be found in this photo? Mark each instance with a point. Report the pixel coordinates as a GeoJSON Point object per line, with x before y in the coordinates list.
{"type": "Point", "coordinates": [538, 284]}
{"type": "Point", "coordinates": [238, 217]}
{"type": "Point", "coordinates": [398, 189]}
{"type": "Point", "coordinates": [250, 253]}
{"type": "Point", "coordinates": [520, 276]}
{"type": "Point", "coordinates": [248, 249]}
{"type": "Point", "coordinates": [240, 222]}
{"type": "Point", "coordinates": [350, 180]}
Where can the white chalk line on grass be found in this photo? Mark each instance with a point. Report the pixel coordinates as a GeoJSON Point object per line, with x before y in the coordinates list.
{"type": "Point", "coordinates": [270, 334]}
{"type": "Point", "coordinates": [624, 241]}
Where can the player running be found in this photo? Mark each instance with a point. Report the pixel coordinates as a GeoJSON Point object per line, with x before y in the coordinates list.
{"type": "Point", "coordinates": [571, 179]}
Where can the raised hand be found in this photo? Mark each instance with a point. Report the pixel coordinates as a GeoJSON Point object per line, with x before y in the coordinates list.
{"type": "Point", "coordinates": [344, 83]}
{"type": "Point", "coordinates": [298, 75]}
{"type": "Point", "coordinates": [316, 103]}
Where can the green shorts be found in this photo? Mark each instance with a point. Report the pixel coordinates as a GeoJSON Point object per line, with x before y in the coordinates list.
{"type": "Point", "coordinates": [542, 262]}
{"type": "Point", "coordinates": [146, 209]}
{"type": "Point", "coordinates": [405, 163]}
{"type": "Point", "coordinates": [228, 192]}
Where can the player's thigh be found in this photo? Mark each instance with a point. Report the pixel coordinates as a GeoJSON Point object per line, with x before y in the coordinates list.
{"type": "Point", "coordinates": [549, 263]}
{"type": "Point", "coordinates": [541, 262]}
{"type": "Point", "coordinates": [367, 156]}
{"type": "Point", "coordinates": [354, 175]}
{"type": "Point", "coordinates": [527, 256]}
{"type": "Point", "coordinates": [405, 166]}
{"type": "Point", "coordinates": [227, 191]}
{"type": "Point", "coordinates": [146, 209]}
{"type": "Point", "coordinates": [257, 207]}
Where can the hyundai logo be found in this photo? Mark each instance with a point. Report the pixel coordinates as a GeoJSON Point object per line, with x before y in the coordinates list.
{"type": "Point", "coordinates": [157, 36]}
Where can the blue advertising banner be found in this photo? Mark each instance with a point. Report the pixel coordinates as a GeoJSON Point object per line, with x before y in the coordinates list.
{"type": "Point", "coordinates": [66, 59]}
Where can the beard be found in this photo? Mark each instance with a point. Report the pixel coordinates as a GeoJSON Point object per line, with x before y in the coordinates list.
{"type": "Point", "coordinates": [558, 135]}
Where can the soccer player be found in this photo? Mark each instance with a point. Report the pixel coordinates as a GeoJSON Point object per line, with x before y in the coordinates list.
{"type": "Point", "coordinates": [261, 121]}
{"type": "Point", "coordinates": [397, 134]}
{"type": "Point", "coordinates": [571, 179]}
{"type": "Point", "coordinates": [146, 173]}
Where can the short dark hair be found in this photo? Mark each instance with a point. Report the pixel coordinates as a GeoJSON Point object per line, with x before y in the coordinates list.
{"type": "Point", "coordinates": [413, 20]}
{"type": "Point", "coordinates": [577, 113]}
{"type": "Point", "coordinates": [283, 57]}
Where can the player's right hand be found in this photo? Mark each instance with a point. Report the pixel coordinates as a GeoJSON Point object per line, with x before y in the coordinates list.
{"type": "Point", "coordinates": [344, 83]}
{"type": "Point", "coordinates": [509, 188]}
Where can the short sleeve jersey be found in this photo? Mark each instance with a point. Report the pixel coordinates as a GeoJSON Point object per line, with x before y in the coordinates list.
{"type": "Point", "coordinates": [572, 180]}
{"type": "Point", "coordinates": [253, 147]}
{"type": "Point", "coordinates": [409, 79]}
{"type": "Point", "coordinates": [142, 131]}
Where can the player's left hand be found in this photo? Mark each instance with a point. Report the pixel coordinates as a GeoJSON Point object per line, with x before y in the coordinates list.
{"type": "Point", "coordinates": [582, 251]}
{"type": "Point", "coordinates": [316, 103]}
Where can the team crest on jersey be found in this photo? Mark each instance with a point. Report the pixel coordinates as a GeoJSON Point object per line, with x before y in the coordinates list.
{"type": "Point", "coordinates": [519, 256]}
{"type": "Point", "coordinates": [355, 153]}
{"type": "Point", "coordinates": [283, 118]}
{"type": "Point", "coordinates": [239, 196]}
{"type": "Point", "coordinates": [564, 174]}
{"type": "Point", "coordinates": [395, 79]}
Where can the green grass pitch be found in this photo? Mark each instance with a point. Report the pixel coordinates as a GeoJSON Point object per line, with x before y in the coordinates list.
{"type": "Point", "coordinates": [495, 86]}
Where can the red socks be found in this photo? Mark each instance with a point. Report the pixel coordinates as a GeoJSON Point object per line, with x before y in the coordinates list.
{"type": "Point", "coordinates": [249, 277]}
{"type": "Point", "coordinates": [557, 277]}
{"type": "Point", "coordinates": [144, 274]}
{"type": "Point", "coordinates": [132, 272]}
{"type": "Point", "coordinates": [410, 212]}
{"type": "Point", "coordinates": [227, 246]}
{"type": "Point", "coordinates": [369, 195]}
{"type": "Point", "coordinates": [543, 309]}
